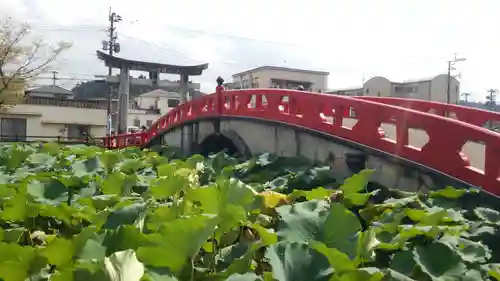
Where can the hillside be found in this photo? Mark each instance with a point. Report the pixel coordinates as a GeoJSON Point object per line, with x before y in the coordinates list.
{"type": "Point", "coordinates": [99, 89]}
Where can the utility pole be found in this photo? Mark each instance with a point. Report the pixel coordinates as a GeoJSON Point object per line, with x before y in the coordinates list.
{"type": "Point", "coordinates": [491, 98]}
{"type": "Point", "coordinates": [54, 77]}
{"type": "Point", "coordinates": [450, 68]}
{"type": "Point", "coordinates": [466, 96]}
{"type": "Point", "coordinates": [112, 47]}
{"type": "Point", "coordinates": [491, 103]}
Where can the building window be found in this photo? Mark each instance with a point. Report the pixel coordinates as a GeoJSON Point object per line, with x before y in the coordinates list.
{"type": "Point", "coordinates": [13, 129]}
{"type": "Point", "coordinates": [405, 90]}
{"type": "Point", "coordinates": [137, 122]}
{"type": "Point", "coordinates": [77, 131]}
{"type": "Point", "coordinates": [149, 123]}
{"type": "Point", "coordinates": [172, 102]}
{"type": "Point", "coordinates": [367, 91]}
{"type": "Point", "coordinates": [62, 96]}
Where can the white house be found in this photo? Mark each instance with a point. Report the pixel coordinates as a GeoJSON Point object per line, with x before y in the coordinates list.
{"type": "Point", "coordinates": [148, 107]}
{"type": "Point", "coordinates": [280, 77]}
{"type": "Point", "coordinates": [431, 89]}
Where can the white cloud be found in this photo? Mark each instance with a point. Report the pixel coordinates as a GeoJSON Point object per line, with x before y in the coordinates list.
{"type": "Point", "coordinates": [397, 39]}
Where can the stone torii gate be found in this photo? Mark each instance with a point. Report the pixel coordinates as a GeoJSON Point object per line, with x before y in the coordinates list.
{"type": "Point", "coordinates": [154, 69]}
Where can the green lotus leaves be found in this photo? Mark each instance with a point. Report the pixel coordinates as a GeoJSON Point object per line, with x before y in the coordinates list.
{"type": "Point", "coordinates": [80, 213]}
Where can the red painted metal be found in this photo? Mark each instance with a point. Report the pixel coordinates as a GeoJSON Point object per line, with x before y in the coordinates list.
{"type": "Point", "coordinates": [124, 140]}
{"type": "Point", "coordinates": [474, 116]}
{"type": "Point", "coordinates": [324, 113]}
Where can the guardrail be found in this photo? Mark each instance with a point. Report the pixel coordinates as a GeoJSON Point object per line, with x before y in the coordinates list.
{"type": "Point", "coordinates": [59, 139]}
{"type": "Point", "coordinates": [124, 140]}
{"type": "Point", "coordinates": [88, 104]}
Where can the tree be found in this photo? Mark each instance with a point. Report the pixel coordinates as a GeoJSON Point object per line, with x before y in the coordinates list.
{"type": "Point", "coordinates": [21, 60]}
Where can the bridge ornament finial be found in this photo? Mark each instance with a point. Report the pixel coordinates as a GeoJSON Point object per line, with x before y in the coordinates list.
{"type": "Point", "coordinates": [220, 87]}
{"type": "Point", "coordinates": [220, 81]}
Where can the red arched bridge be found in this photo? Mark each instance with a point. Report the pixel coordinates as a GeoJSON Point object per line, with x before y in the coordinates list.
{"type": "Point", "coordinates": [411, 144]}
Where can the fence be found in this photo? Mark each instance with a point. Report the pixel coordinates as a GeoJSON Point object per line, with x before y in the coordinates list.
{"type": "Point", "coordinates": [89, 140]}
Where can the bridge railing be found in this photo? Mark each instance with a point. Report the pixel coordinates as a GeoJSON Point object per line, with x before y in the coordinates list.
{"type": "Point", "coordinates": [124, 140]}
{"type": "Point", "coordinates": [327, 113]}
{"type": "Point", "coordinates": [442, 151]}
{"type": "Point", "coordinates": [474, 116]}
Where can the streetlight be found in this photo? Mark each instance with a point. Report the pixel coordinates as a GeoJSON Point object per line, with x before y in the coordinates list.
{"type": "Point", "coordinates": [450, 65]}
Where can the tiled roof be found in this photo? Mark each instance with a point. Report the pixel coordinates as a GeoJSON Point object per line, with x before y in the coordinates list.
{"type": "Point", "coordinates": [50, 89]}
{"type": "Point", "coordinates": [159, 93]}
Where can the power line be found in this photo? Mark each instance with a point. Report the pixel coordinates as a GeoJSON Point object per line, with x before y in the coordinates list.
{"type": "Point", "coordinates": [54, 77]}
{"type": "Point", "coordinates": [65, 79]}
{"type": "Point", "coordinates": [163, 48]}
{"type": "Point", "coordinates": [198, 31]}
{"type": "Point", "coordinates": [73, 26]}
{"type": "Point", "coordinates": [184, 54]}
{"type": "Point", "coordinates": [209, 33]}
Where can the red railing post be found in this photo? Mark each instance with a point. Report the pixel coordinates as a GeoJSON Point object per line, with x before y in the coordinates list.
{"type": "Point", "coordinates": [219, 102]}
{"type": "Point", "coordinates": [218, 90]}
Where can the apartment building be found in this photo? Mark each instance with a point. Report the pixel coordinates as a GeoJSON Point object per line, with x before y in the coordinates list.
{"type": "Point", "coordinates": [432, 89]}
{"type": "Point", "coordinates": [280, 77]}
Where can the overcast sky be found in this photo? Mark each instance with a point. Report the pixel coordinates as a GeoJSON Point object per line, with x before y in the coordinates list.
{"type": "Point", "coordinates": [352, 39]}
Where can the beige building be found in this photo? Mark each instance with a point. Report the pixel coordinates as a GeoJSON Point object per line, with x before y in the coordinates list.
{"type": "Point", "coordinates": [432, 89]}
{"type": "Point", "coordinates": [48, 119]}
{"type": "Point", "coordinates": [280, 77]}
{"type": "Point", "coordinates": [150, 106]}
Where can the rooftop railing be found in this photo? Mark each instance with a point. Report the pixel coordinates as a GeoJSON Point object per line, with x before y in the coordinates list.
{"type": "Point", "coordinates": [89, 104]}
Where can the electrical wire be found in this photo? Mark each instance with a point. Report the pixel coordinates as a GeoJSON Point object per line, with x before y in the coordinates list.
{"type": "Point", "coordinates": [170, 50]}
{"type": "Point", "coordinates": [173, 51]}
{"type": "Point", "coordinates": [209, 33]}
{"type": "Point", "coordinates": [184, 29]}
{"type": "Point", "coordinates": [198, 31]}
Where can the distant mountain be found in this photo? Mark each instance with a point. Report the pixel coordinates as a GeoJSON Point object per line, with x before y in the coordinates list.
{"type": "Point", "coordinates": [99, 89]}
